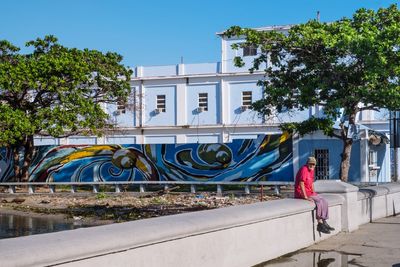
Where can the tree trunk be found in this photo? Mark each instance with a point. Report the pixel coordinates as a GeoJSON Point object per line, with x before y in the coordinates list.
{"type": "Point", "coordinates": [347, 144]}
{"type": "Point", "coordinates": [28, 155]}
{"type": "Point", "coordinates": [17, 168]}
{"type": "Point", "coordinates": [345, 164]}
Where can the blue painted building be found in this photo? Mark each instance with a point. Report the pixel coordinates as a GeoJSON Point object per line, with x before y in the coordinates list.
{"type": "Point", "coordinates": [208, 103]}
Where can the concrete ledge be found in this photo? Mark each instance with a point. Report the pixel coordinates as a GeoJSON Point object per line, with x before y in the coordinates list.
{"type": "Point", "coordinates": [333, 199]}
{"type": "Point", "coordinates": [361, 195]}
{"type": "Point", "coordinates": [61, 246]}
{"type": "Point", "coordinates": [392, 187]}
{"type": "Point", "coordinates": [375, 190]}
{"type": "Point", "coordinates": [372, 191]}
{"type": "Point", "coordinates": [85, 243]}
{"type": "Point", "coordinates": [334, 186]}
{"type": "Point", "coordinates": [235, 236]}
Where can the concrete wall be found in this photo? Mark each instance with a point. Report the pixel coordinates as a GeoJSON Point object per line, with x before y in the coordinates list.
{"type": "Point", "coordinates": [235, 236]}
{"type": "Point", "coordinates": [378, 201]}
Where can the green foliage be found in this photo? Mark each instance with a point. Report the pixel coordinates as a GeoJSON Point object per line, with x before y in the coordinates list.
{"type": "Point", "coordinates": [345, 66]}
{"type": "Point", "coordinates": [57, 90]}
{"type": "Point", "coordinates": [311, 125]}
{"type": "Point", "coordinates": [336, 65]}
{"type": "Point", "coordinates": [101, 195]}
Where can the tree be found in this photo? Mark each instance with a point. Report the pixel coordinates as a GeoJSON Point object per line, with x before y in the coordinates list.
{"type": "Point", "coordinates": [55, 91]}
{"type": "Point", "coordinates": [346, 66]}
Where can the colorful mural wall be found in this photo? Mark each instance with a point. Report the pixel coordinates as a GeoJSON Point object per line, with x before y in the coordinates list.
{"type": "Point", "coordinates": [267, 158]}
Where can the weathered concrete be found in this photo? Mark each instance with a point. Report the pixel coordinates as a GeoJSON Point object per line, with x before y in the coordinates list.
{"type": "Point", "coordinates": [350, 218]}
{"type": "Point", "coordinates": [256, 232]}
{"type": "Point", "coordinates": [235, 236]}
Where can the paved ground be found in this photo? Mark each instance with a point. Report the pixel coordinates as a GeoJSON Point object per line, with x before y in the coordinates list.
{"type": "Point", "coordinates": [374, 244]}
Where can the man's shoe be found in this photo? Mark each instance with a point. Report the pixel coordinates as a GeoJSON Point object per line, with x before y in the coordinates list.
{"type": "Point", "coordinates": [322, 228]}
{"type": "Point", "coordinates": [327, 226]}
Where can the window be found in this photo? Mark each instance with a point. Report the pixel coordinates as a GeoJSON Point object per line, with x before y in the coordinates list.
{"type": "Point", "coordinates": [203, 101]}
{"type": "Point", "coordinates": [247, 99]}
{"type": "Point", "coordinates": [121, 106]}
{"type": "Point", "coordinates": [250, 50]}
{"type": "Point", "coordinates": [322, 167]}
{"type": "Point", "coordinates": [161, 103]}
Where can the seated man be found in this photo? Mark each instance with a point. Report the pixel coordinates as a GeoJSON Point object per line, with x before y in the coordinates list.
{"type": "Point", "coordinates": [304, 188]}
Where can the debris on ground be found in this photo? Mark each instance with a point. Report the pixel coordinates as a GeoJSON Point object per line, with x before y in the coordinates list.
{"type": "Point", "coordinates": [125, 206]}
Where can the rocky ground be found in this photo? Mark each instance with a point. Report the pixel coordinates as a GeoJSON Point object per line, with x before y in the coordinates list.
{"type": "Point", "coordinates": [124, 206]}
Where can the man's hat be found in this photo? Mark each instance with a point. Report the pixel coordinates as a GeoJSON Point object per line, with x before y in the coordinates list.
{"type": "Point", "coordinates": [311, 160]}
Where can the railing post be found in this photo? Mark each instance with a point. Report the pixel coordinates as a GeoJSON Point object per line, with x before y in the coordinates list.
{"type": "Point", "coordinates": [31, 189]}
{"type": "Point", "coordinates": [219, 190]}
{"type": "Point", "coordinates": [96, 188]}
{"type": "Point", "coordinates": [11, 189]}
{"type": "Point", "coordinates": [73, 188]}
{"type": "Point", "coordinates": [52, 189]}
{"type": "Point", "coordinates": [118, 188]}
{"type": "Point", "coordinates": [193, 189]}
{"type": "Point", "coordinates": [166, 187]}
{"type": "Point", "coordinates": [142, 188]}
{"type": "Point", "coordinates": [247, 189]}
{"type": "Point", "coordinates": [277, 190]}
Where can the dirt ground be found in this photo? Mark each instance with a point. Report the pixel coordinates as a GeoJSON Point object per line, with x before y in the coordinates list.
{"type": "Point", "coordinates": [127, 206]}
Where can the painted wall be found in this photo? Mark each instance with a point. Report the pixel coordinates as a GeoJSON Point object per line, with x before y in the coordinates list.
{"type": "Point", "coordinates": [162, 70]}
{"type": "Point", "coordinates": [46, 141]}
{"type": "Point", "coordinates": [236, 115]}
{"type": "Point", "coordinates": [201, 68]}
{"type": "Point", "coordinates": [122, 119]}
{"type": "Point", "coordinates": [77, 140]}
{"type": "Point", "coordinates": [211, 116]}
{"type": "Point", "coordinates": [203, 138]}
{"type": "Point", "coordinates": [383, 153]}
{"type": "Point", "coordinates": [269, 157]}
{"type": "Point", "coordinates": [167, 118]}
{"type": "Point", "coordinates": [229, 54]}
{"type": "Point", "coordinates": [120, 139]}
{"type": "Point", "coordinates": [335, 146]}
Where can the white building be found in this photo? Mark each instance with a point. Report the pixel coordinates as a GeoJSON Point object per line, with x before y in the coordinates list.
{"type": "Point", "coordinates": [208, 103]}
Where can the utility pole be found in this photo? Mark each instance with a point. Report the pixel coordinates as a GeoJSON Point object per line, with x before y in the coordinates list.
{"type": "Point", "coordinates": [395, 142]}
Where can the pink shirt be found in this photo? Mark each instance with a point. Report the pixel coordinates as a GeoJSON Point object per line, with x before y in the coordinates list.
{"type": "Point", "coordinates": [307, 176]}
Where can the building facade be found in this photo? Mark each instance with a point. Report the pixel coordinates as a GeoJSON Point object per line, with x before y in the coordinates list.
{"type": "Point", "coordinates": [209, 103]}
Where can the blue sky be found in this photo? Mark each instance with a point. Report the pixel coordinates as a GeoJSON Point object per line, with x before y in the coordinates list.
{"type": "Point", "coordinates": [158, 32]}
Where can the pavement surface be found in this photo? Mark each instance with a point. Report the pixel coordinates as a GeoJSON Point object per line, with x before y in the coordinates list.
{"type": "Point", "coordinates": [374, 244]}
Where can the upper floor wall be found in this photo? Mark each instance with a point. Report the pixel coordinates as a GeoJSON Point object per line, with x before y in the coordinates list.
{"type": "Point", "coordinates": [208, 93]}
{"type": "Point", "coordinates": [176, 70]}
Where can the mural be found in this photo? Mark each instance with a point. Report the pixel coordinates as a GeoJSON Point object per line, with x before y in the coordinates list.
{"type": "Point", "coordinates": [267, 158]}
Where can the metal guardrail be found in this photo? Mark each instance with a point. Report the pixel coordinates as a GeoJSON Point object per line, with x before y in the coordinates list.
{"type": "Point", "coordinates": [142, 185]}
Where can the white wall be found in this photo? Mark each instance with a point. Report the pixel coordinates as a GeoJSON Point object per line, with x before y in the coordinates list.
{"type": "Point", "coordinates": [167, 118]}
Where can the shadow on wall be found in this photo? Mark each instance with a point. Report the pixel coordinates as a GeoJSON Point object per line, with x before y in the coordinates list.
{"type": "Point", "coordinates": [267, 158]}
